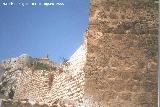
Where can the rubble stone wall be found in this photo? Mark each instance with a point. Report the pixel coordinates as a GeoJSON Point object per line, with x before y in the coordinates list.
{"type": "Point", "coordinates": [115, 67]}
{"type": "Point", "coordinates": [70, 84]}
{"type": "Point", "coordinates": [122, 50]}
{"type": "Point", "coordinates": [67, 86]}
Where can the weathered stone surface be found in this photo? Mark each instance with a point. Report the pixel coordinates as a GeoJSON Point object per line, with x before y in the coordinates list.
{"type": "Point", "coordinates": [122, 50]}
{"type": "Point", "coordinates": [52, 87]}
{"type": "Point", "coordinates": [116, 66]}
{"type": "Point", "coordinates": [12, 68]}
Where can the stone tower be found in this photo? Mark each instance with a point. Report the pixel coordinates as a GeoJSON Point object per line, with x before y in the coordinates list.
{"type": "Point", "coordinates": [122, 50]}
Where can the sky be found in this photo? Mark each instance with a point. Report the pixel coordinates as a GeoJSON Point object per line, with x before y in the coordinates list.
{"type": "Point", "coordinates": [41, 30]}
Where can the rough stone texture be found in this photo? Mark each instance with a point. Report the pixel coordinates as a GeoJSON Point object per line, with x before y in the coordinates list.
{"type": "Point", "coordinates": [66, 86]}
{"type": "Point", "coordinates": [22, 104]}
{"type": "Point", "coordinates": [32, 86]}
{"type": "Point", "coordinates": [116, 66]}
{"type": "Point", "coordinates": [12, 69]}
{"type": "Point", "coordinates": [122, 50]}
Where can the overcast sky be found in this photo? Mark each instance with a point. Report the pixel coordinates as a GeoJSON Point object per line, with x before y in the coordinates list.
{"type": "Point", "coordinates": [40, 30]}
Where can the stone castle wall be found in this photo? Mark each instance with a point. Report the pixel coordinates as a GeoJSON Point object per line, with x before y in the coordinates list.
{"type": "Point", "coordinates": [67, 86]}
{"type": "Point", "coordinates": [115, 67]}
{"type": "Point", "coordinates": [122, 50]}
{"type": "Point", "coordinates": [32, 86]}
{"type": "Point", "coordinates": [70, 84]}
